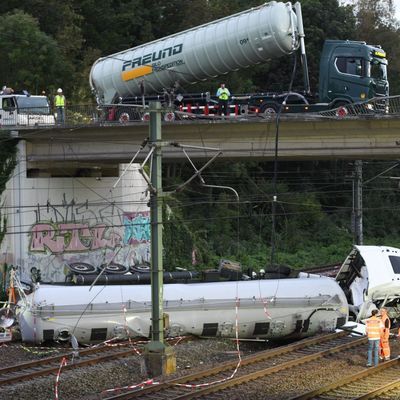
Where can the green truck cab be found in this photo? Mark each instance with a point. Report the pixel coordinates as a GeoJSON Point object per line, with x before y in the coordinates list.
{"type": "Point", "coordinates": [351, 72]}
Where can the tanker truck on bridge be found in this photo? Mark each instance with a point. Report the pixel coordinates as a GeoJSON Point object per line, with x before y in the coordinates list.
{"type": "Point", "coordinates": [350, 71]}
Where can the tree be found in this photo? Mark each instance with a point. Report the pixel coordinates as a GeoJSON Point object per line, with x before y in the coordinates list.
{"type": "Point", "coordinates": [8, 161]}
{"type": "Point", "coordinates": [376, 24]}
{"type": "Point", "coordinates": [30, 59]}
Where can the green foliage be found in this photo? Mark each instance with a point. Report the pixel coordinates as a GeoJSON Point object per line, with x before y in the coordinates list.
{"type": "Point", "coordinates": [376, 24]}
{"type": "Point", "coordinates": [314, 212]}
{"type": "Point", "coordinates": [61, 40]}
{"type": "Point", "coordinates": [50, 44]}
{"type": "Point", "coordinates": [30, 58]}
{"type": "Point", "coordinates": [8, 161]}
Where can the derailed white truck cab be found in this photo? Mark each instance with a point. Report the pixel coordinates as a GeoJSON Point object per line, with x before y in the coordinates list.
{"type": "Point", "coordinates": [25, 110]}
{"type": "Point", "coordinates": [370, 278]}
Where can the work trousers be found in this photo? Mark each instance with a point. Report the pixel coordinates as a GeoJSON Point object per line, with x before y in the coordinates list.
{"type": "Point", "coordinates": [384, 348]}
{"type": "Point", "coordinates": [60, 115]}
{"type": "Point", "coordinates": [373, 351]}
{"type": "Point", "coordinates": [223, 107]}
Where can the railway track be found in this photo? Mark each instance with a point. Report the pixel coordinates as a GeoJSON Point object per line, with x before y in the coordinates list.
{"type": "Point", "coordinates": [213, 382]}
{"type": "Point", "coordinates": [381, 382]}
{"type": "Point", "coordinates": [74, 359]}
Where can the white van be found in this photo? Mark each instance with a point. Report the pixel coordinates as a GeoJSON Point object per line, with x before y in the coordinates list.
{"type": "Point", "coordinates": [25, 110]}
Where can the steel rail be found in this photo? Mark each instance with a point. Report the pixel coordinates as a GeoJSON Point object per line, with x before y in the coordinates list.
{"type": "Point", "coordinates": [14, 374]}
{"type": "Point", "coordinates": [80, 358]}
{"type": "Point", "coordinates": [356, 386]}
{"type": "Point", "coordinates": [57, 358]}
{"type": "Point", "coordinates": [173, 385]}
{"type": "Point", "coordinates": [268, 371]}
{"type": "Point", "coordinates": [382, 390]}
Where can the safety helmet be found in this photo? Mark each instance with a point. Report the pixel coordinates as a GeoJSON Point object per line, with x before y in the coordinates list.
{"type": "Point", "coordinates": [59, 90]}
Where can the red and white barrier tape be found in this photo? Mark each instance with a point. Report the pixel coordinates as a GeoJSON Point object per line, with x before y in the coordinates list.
{"type": "Point", "coordinates": [63, 362]}
{"type": "Point", "coordinates": [265, 303]}
{"type": "Point", "coordinates": [192, 386]}
{"type": "Point", "coordinates": [141, 385]}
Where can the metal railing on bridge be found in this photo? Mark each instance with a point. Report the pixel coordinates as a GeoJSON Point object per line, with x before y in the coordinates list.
{"type": "Point", "coordinates": [86, 115]}
{"type": "Point", "coordinates": [378, 107]}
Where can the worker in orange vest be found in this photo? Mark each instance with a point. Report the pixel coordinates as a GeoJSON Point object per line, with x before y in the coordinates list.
{"type": "Point", "coordinates": [374, 327]}
{"type": "Point", "coordinates": [384, 348]}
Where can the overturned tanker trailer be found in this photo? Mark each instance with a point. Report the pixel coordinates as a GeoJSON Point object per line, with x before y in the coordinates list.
{"type": "Point", "coordinates": [264, 308]}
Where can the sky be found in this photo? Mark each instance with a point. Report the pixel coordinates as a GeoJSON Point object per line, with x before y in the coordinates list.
{"type": "Point", "coordinates": [397, 5]}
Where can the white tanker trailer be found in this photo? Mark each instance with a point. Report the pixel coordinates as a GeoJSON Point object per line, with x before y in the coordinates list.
{"type": "Point", "coordinates": [350, 71]}
{"type": "Point", "coordinates": [267, 309]}
{"type": "Point", "coordinates": [250, 37]}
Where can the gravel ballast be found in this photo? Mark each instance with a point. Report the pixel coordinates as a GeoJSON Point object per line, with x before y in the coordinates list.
{"type": "Point", "coordinates": [193, 355]}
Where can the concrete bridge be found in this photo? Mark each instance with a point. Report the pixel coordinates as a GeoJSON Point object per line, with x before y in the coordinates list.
{"type": "Point", "coordinates": [300, 138]}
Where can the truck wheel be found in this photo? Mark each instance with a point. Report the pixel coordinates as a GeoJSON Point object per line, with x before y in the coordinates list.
{"type": "Point", "coordinates": [125, 115]}
{"type": "Point", "coordinates": [269, 110]}
{"type": "Point", "coordinates": [114, 268]}
{"type": "Point", "coordinates": [82, 268]}
{"type": "Point", "coordinates": [343, 109]}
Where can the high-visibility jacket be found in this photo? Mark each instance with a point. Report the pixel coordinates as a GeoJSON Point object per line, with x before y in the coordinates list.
{"type": "Point", "coordinates": [223, 94]}
{"type": "Point", "coordinates": [60, 100]}
{"type": "Point", "coordinates": [374, 328]}
{"type": "Point", "coordinates": [386, 326]}
{"type": "Point", "coordinates": [384, 347]}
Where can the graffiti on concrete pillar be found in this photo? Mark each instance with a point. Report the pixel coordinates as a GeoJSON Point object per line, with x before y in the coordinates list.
{"type": "Point", "coordinates": [95, 233]}
{"type": "Point", "coordinates": [72, 238]}
{"type": "Point", "coordinates": [137, 227]}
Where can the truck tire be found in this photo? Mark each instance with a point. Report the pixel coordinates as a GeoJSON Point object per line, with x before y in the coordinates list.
{"type": "Point", "coordinates": [140, 268]}
{"type": "Point", "coordinates": [344, 108]}
{"type": "Point", "coordinates": [114, 268]}
{"type": "Point", "coordinates": [125, 115]}
{"type": "Point", "coordinates": [269, 110]}
{"type": "Point", "coordinates": [82, 268]}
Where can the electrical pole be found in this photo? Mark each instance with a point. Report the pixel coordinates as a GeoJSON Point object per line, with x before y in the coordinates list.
{"type": "Point", "coordinates": [159, 358]}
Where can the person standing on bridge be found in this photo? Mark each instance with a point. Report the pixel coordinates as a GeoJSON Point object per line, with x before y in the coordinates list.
{"type": "Point", "coordinates": [223, 95]}
{"type": "Point", "coordinates": [60, 103]}
{"type": "Point", "coordinates": [374, 327]}
{"type": "Point", "coordinates": [384, 348]}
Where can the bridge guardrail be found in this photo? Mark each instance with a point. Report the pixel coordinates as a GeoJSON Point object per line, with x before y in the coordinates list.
{"type": "Point", "coordinates": [378, 107]}
{"type": "Point", "coordinates": [87, 115]}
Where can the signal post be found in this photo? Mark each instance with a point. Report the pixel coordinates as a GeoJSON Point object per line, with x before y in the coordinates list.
{"type": "Point", "coordinates": [159, 358]}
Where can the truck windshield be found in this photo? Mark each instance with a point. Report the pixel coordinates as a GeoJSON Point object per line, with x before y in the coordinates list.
{"type": "Point", "coordinates": [378, 70]}
{"type": "Point", "coordinates": [33, 105]}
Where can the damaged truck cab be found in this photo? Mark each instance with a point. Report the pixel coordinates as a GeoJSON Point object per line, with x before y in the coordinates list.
{"type": "Point", "coordinates": [370, 278]}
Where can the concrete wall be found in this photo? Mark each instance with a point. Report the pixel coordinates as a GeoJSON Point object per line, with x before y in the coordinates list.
{"type": "Point", "coordinates": [56, 221]}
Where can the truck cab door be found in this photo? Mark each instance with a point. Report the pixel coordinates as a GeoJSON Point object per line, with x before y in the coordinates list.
{"type": "Point", "coordinates": [347, 79]}
{"type": "Point", "coordinates": [8, 111]}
